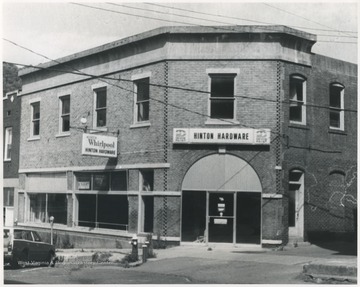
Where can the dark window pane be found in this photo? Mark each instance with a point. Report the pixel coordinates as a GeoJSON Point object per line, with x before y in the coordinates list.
{"type": "Point", "coordinates": [57, 207]}
{"type": "Point", "coordinates": [119, 180]}
{"type": "Point", "coordinates": [65, 105]}
{"type": "Point", "coordinates": [36, 130]}
{"type": "Point", "coordinates": [222, 86]}
{"type": "Point", "coordinates": [335, 119]}
{"type": "Point", "coordinates": [101, 118]}
{"type": "Point", "coordinates": [36, 111]}
{"type": "Point", "coordinates": [223, 109]}
{"type": "Point", "coordinates": [101, 181]}
{"type": "Point", "coordinates": [148, 180]}
{"type": "Point", "coordinates": [87, 210]}
{"type": "Point", "coordinates": [143, 111]}
{"type": "Point", "coordinates": [113, 211]}
{"type": "Point", "coordinates": [66, 123]}
{"type": "Point", "coordinates": [296, 89]}
{"type": "Point", "coordinates": [335, 97]}
{"type": "Point", "coordinates": [101, 98]}
{"type": "Point", "coordinates": [143, 89]}
{"type": "Point", "coordinates": [296, 112]}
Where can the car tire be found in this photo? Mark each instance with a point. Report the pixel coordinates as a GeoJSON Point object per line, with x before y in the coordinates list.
{"type": "Point", "coordinates": [14, 263]}
{"type": "Point", "coordinates": [51, 259]}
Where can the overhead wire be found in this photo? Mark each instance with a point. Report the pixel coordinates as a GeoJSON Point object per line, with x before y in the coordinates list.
{"type": "Point", "coordinates": [243, 19]}
{"type": "Point", "coordinates": [179, 22]}
{"type": "Point", "coordinates": [177, 88]}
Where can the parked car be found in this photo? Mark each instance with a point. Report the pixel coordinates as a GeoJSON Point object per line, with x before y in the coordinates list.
{"type": "Point", "coordinates": [24, 246]}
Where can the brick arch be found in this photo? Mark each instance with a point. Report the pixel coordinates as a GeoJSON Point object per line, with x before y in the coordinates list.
{"type": "Point", "coordinates": [222, 172]}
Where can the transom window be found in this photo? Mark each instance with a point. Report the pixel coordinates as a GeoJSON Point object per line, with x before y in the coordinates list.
{"type": "Point", "coordinates": [336, 100]}
{"type": "Point", "coordinates": [100, 107]}
{"type": "Point", "coordinates": [147, 180]}
{"type": "Point", "coordinates": [142, 103]}
{"type": "Point", "coordinates": [65, 113]}
{"type": "Point", "coordinates": [105, 181]}
{"type": "Point", "coordinates": [297, 99]}
{"type": "Point", "coordinates": [35, 119]}
{"type": "Point", "coordinates": [222, 100]}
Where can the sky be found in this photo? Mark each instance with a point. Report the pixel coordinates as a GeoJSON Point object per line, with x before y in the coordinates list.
{"type": "Point", "coordinates": [57, 29]}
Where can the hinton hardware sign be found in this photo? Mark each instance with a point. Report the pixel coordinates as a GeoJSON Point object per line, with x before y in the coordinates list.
{"type": "Point", "coordinates": [222, 136]}
{"type": "Point", "coordinates": [96, 145]}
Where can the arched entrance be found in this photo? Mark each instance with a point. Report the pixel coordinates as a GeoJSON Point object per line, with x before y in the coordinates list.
{"type": "Point", "coordinates": [221, 201]}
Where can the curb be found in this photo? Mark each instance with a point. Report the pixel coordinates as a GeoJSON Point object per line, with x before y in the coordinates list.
{"type": "Point", "coordinates": [323, 272]}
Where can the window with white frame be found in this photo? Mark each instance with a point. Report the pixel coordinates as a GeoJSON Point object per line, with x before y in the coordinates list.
{"type": "Point", "coordinates": [35, 119]}
{"type": "Point", "coordinates": [142, 102]}
{"type": "Point", "coordinates": [8, 143]}
{"type": "Point", "coordinates": [222, 100]}
{"type": "Point", "coordinates": [64, 114]}
{"type": "Point", "coordinates": [336, 106]}
{"type": "Point", "coordinates": [297, 99]}
{"type": "Point", "coordinates": [100, 107]}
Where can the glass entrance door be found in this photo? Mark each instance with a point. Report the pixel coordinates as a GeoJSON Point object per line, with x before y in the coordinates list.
{"type": "Point", "coordinates": [221, 212]}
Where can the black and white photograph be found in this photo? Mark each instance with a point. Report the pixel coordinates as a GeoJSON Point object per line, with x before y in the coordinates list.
{"type": "Point", "coordinates": [187, 143]}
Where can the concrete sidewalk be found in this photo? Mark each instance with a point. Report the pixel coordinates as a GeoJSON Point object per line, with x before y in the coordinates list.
{"type": "Point", "coordinates": [319, 264]}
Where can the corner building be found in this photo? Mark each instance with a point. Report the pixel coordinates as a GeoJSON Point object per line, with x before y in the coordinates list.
{"type": "Point", "coordinates": [194, 134]}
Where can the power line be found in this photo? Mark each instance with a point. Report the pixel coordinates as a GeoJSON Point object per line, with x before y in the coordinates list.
{"type": "Point", "coordinates": [301, 17]}
{"type": "Point", "coordinates": [175, 87]}
{"type": "Point", "coordinates": [202, 19]}
{"type": "Point", "coordinates": [178, 22]}
{"type": "Point", "coordinates": [243, 19]}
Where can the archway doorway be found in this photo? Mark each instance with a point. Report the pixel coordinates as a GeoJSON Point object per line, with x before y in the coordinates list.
{"type": "Point", "coordinates": [221, 201]}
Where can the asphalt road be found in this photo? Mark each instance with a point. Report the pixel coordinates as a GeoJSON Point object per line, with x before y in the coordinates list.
{"type": "Point", "coordinates": [183, 270]}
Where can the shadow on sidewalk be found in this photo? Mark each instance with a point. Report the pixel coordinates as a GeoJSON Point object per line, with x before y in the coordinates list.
{"type": "Point", "coordinates": [339, 247]}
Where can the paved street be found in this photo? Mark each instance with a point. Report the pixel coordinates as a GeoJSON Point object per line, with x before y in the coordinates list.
{"type": "Point", "coordinates": [191, 265]}
{"type": "Point", "coordinates": [183, 270]}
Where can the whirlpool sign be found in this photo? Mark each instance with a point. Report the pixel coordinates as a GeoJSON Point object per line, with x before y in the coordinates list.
{"type": "Point", "coordinates": [222, 136]}
{"type": "Point", "coordinates": [96, 145]}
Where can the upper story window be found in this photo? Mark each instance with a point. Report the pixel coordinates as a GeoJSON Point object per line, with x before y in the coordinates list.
{"type": "Point", "coordinates": [297, 113]}
{"type": "Point", "coordinates": [222, 100]}
{"type": "Point", "coordinates": [142, 100]}
{"type": "Point", "coordinates": [64, 114]}
{"type": "Point", "coordinates": [336, 106]}
{"type": "Point", "coordinates": [8, 143]}
{"type": "Point", "coordinates": [100, 107]}
{"type": "Point", "coordinates": [35, 119]}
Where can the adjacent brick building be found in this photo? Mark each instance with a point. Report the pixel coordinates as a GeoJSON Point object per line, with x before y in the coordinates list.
{"type": "Point", "coordinates": [11, 140]}
{"type": "Point", "coordinates": [216, 134]}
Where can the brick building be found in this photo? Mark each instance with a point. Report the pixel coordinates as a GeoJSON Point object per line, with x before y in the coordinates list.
{"type": "Point", "coordinates": [216, 134]}
{"type": "Point", "coordinates": [11, 140]}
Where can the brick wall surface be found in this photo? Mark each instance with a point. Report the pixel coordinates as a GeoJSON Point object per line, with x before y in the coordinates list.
{"type": "Point", "coordinates": [11, 118]}
{"type": "Point", "coordinates": [329, 205]}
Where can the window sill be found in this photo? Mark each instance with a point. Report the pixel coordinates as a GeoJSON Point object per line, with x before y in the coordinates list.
{"type": "Point", "coordinates": [36, 138]}
{"type": "Point", "coordinates": [225, 122]}
{"type": "Point", "coordinates": [296, 125]}
{"type": "Point", "coordinates": [7, 160]}
{"type": "Point", "coordinates": [61, 135]}
{"type": "Point", "coordinates": [140, 125]}
{"type": "Point", "coordinates": [337, 131]}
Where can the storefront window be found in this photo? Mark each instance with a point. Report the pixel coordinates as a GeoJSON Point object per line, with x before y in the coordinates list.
{"type": "Point", "coordinates": [43, 205]}
{"type": "Point", "coordinates": [37, 207]}
{"type": "Point", "coordinates": [103, 211]}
